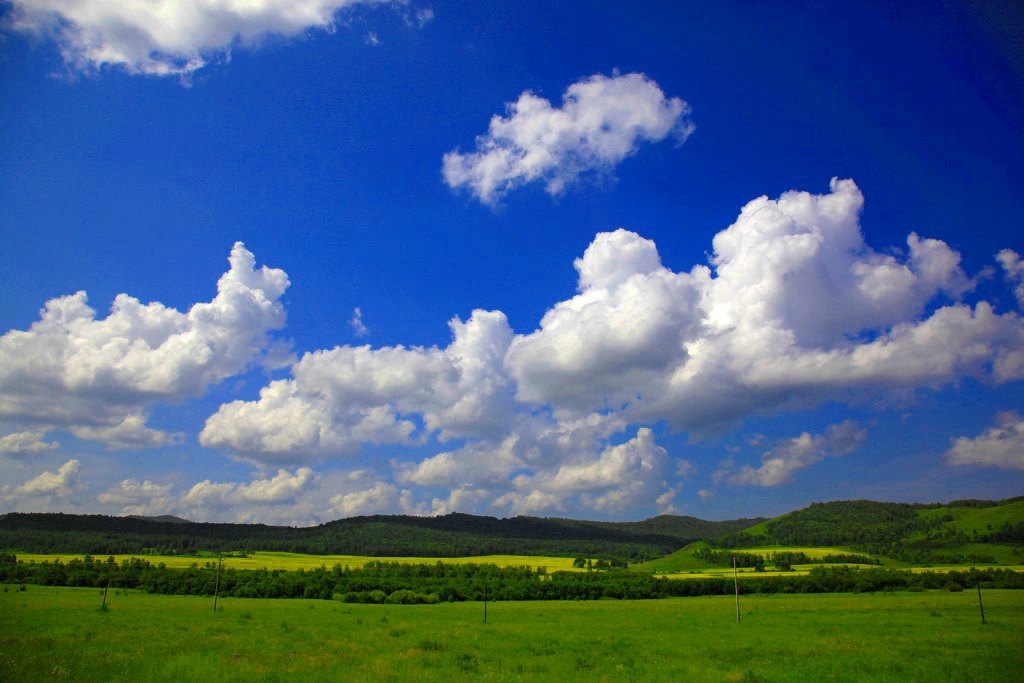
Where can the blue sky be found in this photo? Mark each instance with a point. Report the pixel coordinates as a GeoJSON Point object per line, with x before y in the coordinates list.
{"type": "Point", "coordinates": [591, 260]}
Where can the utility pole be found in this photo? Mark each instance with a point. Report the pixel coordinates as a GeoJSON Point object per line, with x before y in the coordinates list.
{"type": "Point", "coordinates": [216, 584]}
{"type": "Point", "coordinates": [104, 605]}
{"type": "Point", "coordinates": [736, 583]}
{"type": "Point", "coordinates": [485, 598]}
{"type": "Point", "coordinates": [980, 603]}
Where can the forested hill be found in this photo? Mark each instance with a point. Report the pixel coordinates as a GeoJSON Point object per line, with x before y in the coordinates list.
{"type": "Point", "coordinates": [890, 529]}
{"type": "Point", "coordinates": [380, 535]}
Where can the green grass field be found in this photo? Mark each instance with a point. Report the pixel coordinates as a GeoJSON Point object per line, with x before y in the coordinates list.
{"type": "Point", "coordinates": [61, 634]}
{"type": "Point", "coordinates": [273, 560]}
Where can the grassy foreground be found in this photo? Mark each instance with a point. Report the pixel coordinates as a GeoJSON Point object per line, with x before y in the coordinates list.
{"type": "Point", "coordinates": [60, 633]}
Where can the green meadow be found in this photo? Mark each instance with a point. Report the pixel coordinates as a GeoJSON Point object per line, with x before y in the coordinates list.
{"type": "Point", "coordinates": [62, 634]}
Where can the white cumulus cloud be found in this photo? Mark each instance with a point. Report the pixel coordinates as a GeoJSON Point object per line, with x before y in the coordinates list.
{"type": "Point", "coordinates": [168, 37]}
{"type": "Point", "coordinates": [347, 396]}
{"type": "Point", "coordinates": [139, 498]}
{"type": "Point", "coordinates": [20, 443]}
{"type": "Point", "coordinates": [96, 377]}
{"type": "Point", "coordinates": [999, 446]}
{"type": "Point", "coordinates": [618, 337]}
{"type": "Point", "coordinates": [283, 487]}
{"type": "Point", "coordinates": [613, 480]}
{"type": "Point", "coordinates": [382, 497]}
{"type": "Point", "coordinates": [131, 432]}
{"type": "Point", "coordinates": [1013, 267]}
{"type": "Point", "coordinates": [602, 120]}
{"type": "Point", "coordinates": [795, 307]}
{"type": "Point", "coordinates": [59, 483]}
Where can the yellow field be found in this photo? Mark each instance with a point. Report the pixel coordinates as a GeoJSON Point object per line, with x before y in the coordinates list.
{"type": "Point", "coordinates": [272, 560]}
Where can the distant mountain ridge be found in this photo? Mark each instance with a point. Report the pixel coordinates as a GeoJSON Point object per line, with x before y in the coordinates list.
{"type": "Point", "coordinates": [452, 535]}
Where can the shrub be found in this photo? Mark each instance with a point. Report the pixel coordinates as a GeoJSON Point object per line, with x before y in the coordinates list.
{"type": "Point", "coordinates": [407, 597]}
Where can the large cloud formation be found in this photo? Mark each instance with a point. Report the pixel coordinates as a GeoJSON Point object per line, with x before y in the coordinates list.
{"type": "Point", "coordinates": [797, 307]}
{"type": "Point", "coordinates": [168, 37]}
{"type": "Point", "coordinates": [794, 309]}
{"type": "Point", "coordinates": [602, 120]}
{"type": "Point", "coordinates": [96, 377]}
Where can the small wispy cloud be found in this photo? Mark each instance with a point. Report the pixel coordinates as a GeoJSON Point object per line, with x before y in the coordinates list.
{"type": "Point", "coordinates": [359, 328]}
{"type": "Point", "coordinates": [779, 464]}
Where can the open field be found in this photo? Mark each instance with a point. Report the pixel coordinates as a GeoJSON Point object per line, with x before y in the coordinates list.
{"type": "Point", "coordinates": [274, 560]}
{"type": "Point", "coordinates": [60, 634]}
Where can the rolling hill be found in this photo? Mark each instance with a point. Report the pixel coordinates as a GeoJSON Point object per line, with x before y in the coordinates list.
{"type": "Point", "coordinates": [887, 533]}
{"type": "Point", "coordinates": [959, 531]}
{"type": "Point", "coordinates": [451, 535]}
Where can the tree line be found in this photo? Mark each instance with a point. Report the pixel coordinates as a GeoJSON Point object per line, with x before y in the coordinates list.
{"type": "Point", "coordinates": [378, 581]}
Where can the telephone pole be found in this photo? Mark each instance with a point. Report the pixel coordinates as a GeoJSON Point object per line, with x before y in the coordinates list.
{"type": "Point", "coordinates": [216, 584]}
{"type": "Point", "coordinates": [736, 583]}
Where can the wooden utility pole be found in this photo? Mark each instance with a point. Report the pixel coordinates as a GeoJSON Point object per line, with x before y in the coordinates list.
{"type": "Point", "coordinates": [216, 584]}
{"type": "Point", "coordinates": [104, 605]}
{"type": "Point", "coordinates": [980, 603]}
{"type": "Point", "coordinates": [485, 598]}
{"type": "Point", "coordinates": [736, 583]}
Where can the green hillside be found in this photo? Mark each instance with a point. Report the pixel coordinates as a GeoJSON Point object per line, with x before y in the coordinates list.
{"type": "Point", "coordinates": [679, 561]}
{"type": "Point", "coordinates": [970, 531]}
{"type": "Point", "coordinates": [972, 520]}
